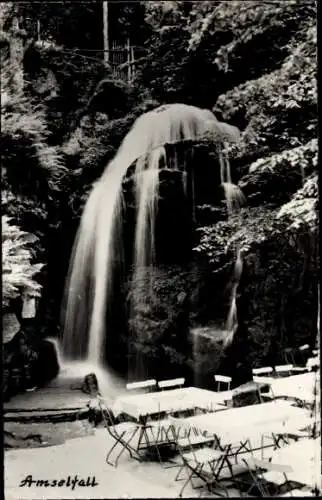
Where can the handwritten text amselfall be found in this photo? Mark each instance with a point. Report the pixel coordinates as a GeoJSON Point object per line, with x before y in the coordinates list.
{"type": "Point", "coordinates": [69, 482]}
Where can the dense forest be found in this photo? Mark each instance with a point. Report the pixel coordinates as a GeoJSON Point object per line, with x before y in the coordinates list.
{"type": "Point", "coordinates": [64, 113]}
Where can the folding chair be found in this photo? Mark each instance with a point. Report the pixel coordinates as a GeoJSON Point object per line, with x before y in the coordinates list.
{"type": "Point", "coordinates": [222, 379]}
{"type": "Point", "coordinates": [298, 493]}
{"type": "Point", "coordinates": [198, 459]}
{"type": "Point", "coordinates": [283, 369]}
{"type": "Point", "coordinates": [122, 433]}
{"type": "Point", "coordinates": [175, 382]}
{"type": "Point", "coordinates": [303, 351]}
{"type": "Point", "coordinates": [267, 478]}
{"type": "Point", "coordinates": [143, 385]}
{"type": "Point", "coordinates": [312, 363]}
{"type": "Point", "coordinates": [265, 370]}
{"type": "Point", "coordinates": [260, 378]}
{"type": "Point", "coordinates": [289, 356]}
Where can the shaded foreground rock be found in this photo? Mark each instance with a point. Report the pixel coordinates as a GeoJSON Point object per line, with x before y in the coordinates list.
{"type": "Point", "coordinates": [90, 385]}
{"type": "Point", "coordinates": [40, 434]}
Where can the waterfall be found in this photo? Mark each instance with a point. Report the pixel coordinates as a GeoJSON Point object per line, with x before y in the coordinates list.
{"type": "Point", "coordinates": [234, 196]}
{"type": "Point", "coordinates": [235, 200]}
{"type": "Point", "coordinates": [232, 318]}
{"type": "Point", "coordinates": [147, 194]}
{"type": "Point", "coordinates": [98, 246]}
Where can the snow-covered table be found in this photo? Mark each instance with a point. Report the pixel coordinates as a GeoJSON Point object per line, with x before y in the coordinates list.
{"type": "Point", "coordinates": [227, 423]}
{"type": "Point", "coordinates": [305, 459]}
{"type": "Point", "coordinates": [142, 405]}
{"type": "Point", "coordinates": [300, 387]}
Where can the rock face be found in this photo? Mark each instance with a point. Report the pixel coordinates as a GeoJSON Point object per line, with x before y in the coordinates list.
{"type": "Point", "coordinates": [27, 362]}
{"type": "Point", "coordinates": [46, 367]}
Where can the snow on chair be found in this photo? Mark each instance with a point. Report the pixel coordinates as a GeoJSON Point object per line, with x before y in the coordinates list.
{"type": "Point", "coordinates": [198, 457]}
{"type": "Point", "coordinates": [267, 476]}
{"type": "Point", "coordinates": [222, 379]}
{"type": "Point", "coordinates": [312, 363]}
{"type": "Point", "coordinates": [261, 372]}
{"type": "Point", "coordinates": [282, 369]}
{"type": "Point", "coordinates": [122, 434]}
{"type": "Point", "coordinates": [259, 377]}
{"type": "Point", "coordinates": [144, 384]}
{"type": "Point", "coordinates": [174, 382]}
{"type": "Point", "coordinates": [289, 356]}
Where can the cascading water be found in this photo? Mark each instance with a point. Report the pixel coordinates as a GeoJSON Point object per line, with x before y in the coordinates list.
{"type": "Point", "coordinates": [235, 200]}
{"type": "Point", "coordinates": [98, 246]}
{"type": "Point", "coordinates": [147, 195]}
{"type": "Point", "coordinates": [232, 318]}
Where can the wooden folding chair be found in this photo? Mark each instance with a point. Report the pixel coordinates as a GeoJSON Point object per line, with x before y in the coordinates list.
{"type": "Point", "coordinates": [304, 348]}
{"type": "Point", "coordinates": [265, 370]}
{"type": "Point", "coordinates": [267, 478]}
{"type": "Point", "coordinates": [312, 363]}
{"type": "Point", "coordinates": [122, 433]}
{"type": "Point", "coordinates": [222, 379]}
{"type": "Point", "coordinates": [198, 456]}
{"type": "Point", "coordinates": [263, 377]}
{"type": "Point", "coordinates": [167, 384]}
{"type": "Point", "coordinates": [298, 493]}
{"type": "Point", "coordinates": [303, 351]}
{"type": "Point", "coordinates": [142, 385]}
{"type": "Point", "coordinates": [289, 356]}
{"type": "Point", "coordinates": [281, 370]}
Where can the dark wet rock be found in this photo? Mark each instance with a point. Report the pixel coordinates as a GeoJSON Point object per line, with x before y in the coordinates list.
{"type": "Point", "coordinates": [46, 367]}
{"type": "Point", "coordinates": [90, 385]}
{"type": "Point", "coordinates": [40, 434]}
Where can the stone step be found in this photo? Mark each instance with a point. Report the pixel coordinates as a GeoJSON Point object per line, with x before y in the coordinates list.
{"type": "Point", "coordinates": [53, 416]}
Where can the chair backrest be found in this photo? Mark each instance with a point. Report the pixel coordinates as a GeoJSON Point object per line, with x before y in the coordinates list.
{"type": "Point", "coordinates": [182, 429]}
{"type": "Point", "coordinates": [283, 368]}
{"type": "Point", "coordinates": [262, 371]}
{"type": "Point", "coordinates": [222, 379]}
{"type": "Point", "coordinates": [107, 415]}
{"type": "Point", "coordinates": [174, 382]}
{"type": "Point", "coordinates": [144, 384]}
{"type": "Point", "coordinates": [304, 347]}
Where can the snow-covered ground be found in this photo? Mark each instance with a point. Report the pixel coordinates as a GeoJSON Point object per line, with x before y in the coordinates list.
{"type": "Point", "coordinates": [85, 457]}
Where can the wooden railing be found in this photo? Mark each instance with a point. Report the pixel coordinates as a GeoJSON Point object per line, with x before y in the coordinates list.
{"type": "Point", "coordinates": [122, 61]}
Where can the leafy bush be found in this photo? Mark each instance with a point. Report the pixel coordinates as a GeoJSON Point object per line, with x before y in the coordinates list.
{"type": "Point", "coordinates": [18, 271]}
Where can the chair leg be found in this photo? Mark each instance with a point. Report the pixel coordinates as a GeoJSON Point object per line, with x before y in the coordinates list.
{"type": "Point", "coordinates": [110, 452]}
{"type": "Point", "coordinates": [185, 484]}
{"type": "Point", "coordinates": [125, 446]}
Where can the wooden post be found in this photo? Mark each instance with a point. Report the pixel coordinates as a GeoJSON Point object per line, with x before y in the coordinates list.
{"type": "Point", "coordinates": [105, 32]}
{"type": "Point", "coordinates": [128, 49]}
{"type": "Point", "coordinates": [38, 30]}
{"type": "Point", "coordinates": [132, 63]}
{"type": "Point", "coordinates": [16, 54]}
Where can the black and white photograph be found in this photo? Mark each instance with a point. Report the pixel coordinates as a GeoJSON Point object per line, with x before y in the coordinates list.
{"type": "Point", "coordinates": [160, 249]}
